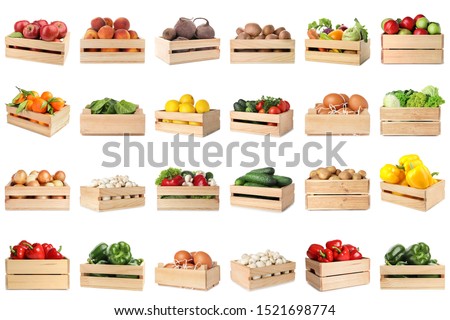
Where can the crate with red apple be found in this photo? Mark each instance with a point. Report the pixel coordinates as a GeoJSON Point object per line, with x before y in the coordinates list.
{"type": "Point", "coordinates": [38, 41]}
{"type": "Point", "coordinates": [412, 41]}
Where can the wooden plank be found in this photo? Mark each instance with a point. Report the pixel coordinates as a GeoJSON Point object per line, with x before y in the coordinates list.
{"type": "Point", "coordinates": [414, 56]}
{"type": "Point", "coordinates": [200, 279]}
{"type": "Point", "coordinates": [37, 282]}
{"type": "Point", "coordinates": [198, 50]}
{"type": "Point", "coordinates": [210, 122]}
{"type": "Point", "coordinates": [12, 203]}
{"type": "Point", "coordinates": [410, 128]}
{"type": "Point", "coordinates": [412, 41]}
{"type": "Point", "coordinates": [362, 51]}
{"type": "Point", "coordinates": [112, 57]}
{"type": "Point", "coordinates": [387, 282]}
{"type": "Point", "coordinates": [337, 282]}
{"type": "Point", "coordinates": [322, 269]}
{"type": "Point", "coordinates": [92, 198]}
{"type": "Point", "coordinates": [321, 124]}
{"type": "Point", "coordinates": [284, 120]}
{"type": "Point", "coordinates": [112, 282]}
{"type": "Point", "coordinates": [34, 267]}
{"type": "Point", "coordinates": [337, 202]}
{"type": "Point", "coordinates": [410, 114]}
{"type": "Point", "coordinates": [238, 56]}
{"type": "Point", "coordinates": [188, 204]}
{"type": "Point", "coordinates": [337, 186]}
{"type": "Point", "coordinates": [283, 197]}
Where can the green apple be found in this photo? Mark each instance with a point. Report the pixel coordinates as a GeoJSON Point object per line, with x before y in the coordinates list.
{"type": "Point", "coordinates": [434, 28]}
{"type": "Point", "coordinates": [422, 23]}
{"type": "Point", "coordinates": [404, 31]}
{"type": "Point", "coordinates": [383, 22]}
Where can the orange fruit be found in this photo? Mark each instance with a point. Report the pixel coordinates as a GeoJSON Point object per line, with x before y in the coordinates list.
{"type": "Point", "coordinates": [29, 104]}
{"type": "Point", "coordinates": [46, 95]}
{"type": "Point", "coordinates": [336, 34]}
{"type": "Point", "coordinates": [57, 103]}
{"type": "Point", "coordinates": [39, 105]}
{"type": "Point", "coordinates": [19, 98]}
{"type": "Point", "coordinates": [32, 95]}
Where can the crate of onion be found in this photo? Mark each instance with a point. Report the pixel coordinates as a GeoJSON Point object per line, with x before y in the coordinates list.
{"type": "Point", "coordinates": [37, 191]}
{"type": "Point", "coordinates": [261, 270]}
{"type": "Point", "coordinates": [339, 114]}
{"type": "Point", "coordinates": [191, 270]}
{"type": "Point", "coordinates": [113, 193]}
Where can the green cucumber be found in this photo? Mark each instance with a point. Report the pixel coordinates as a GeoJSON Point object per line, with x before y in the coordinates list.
{"type": "Point", "coordinates": [239, 181]}
{"type": "Point", "coordinates": [261, 178]}
{"type": "Point", "coordinates": [238, 107]}
{"type": "Point", "coordinates": [268, 170]}
{"type": "Point", "coordinates": [282, 181]}
{"type": "Point", "coordinates": [252, 184]}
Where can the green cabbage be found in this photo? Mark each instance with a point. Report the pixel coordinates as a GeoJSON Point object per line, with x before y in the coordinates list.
{"type": "Point", "coordinates": [391, 101]}
{"type": "Point", "coordinates": [417, 100]}
{"type": "Point", "coordinates": [351, 34]}
{"type": "Point", "coordinates": [431, 91]}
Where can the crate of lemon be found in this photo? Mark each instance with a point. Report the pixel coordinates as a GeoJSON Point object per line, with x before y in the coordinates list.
{"type": "Point", "coordinates": [410, 184]}
{"type": "Point", "coordinates": [185, 116]}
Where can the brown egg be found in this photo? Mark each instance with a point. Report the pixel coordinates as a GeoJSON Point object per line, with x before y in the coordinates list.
{"type": "Point", "coordinates": [170, 265]}
{"type": "Point", "coordinates": [334, 101]}
{"type": "Point", "coordinates": [202, 258]}
{"type": "Point", "coordinates": [357, 103]}
{"type": "Point", "coordinates": [190, 266]}
{"type": "Point", "coordinates": [346, 98]}
{"type": "Point", "coordinates": [182, 257]}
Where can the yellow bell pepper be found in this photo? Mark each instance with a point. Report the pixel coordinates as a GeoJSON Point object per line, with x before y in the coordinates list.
{"type": "Point", "coordinates": [408, 157]}
{"type": "Point", "coordinates": [391, 174]}
{"type": "Point", "coordinates": [410, 161]}
{"type": "Point", "coordinates": [420, 177]}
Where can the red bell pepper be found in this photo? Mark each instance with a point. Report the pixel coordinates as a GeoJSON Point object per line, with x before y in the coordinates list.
{"type": "Point", "coordinates": [333, 243]}
{"type": "Point", "coordinates": [47, 247]}
{"type": "Point", "coordinates": [325, 255]}
{"type": "Point", "coordinates": [354, 252]}
{"type": "Point", "coordinates": [54, 254]}
{"type": "Point", "coordinates": [174, 182]}
{"type": "Point", "coordinates": [341, 253]}
{"type": "Point", "coordinates": [35, 251]}
{"type": "Point", "coordinates": [200, 181]}
{"type": "Point", "coordinates": [24, 243]}
{"type": "Point", "coordinates": [18, 252]}
{"type": "Point", "coordinates": [314, 250]}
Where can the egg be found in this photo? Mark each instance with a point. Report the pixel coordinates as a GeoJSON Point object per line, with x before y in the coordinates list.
{"type": "Point", "coordinates": [346, 98]}
{"type": "Point", "coordinates": [334, 101]}
{"type": "Point", "coordinates": [170, 265]}
{"type": "Point", "coordinates": [357, 103]}
{"type": "Point", "coordinates": [190, 266]}
{"type": "Point", "coordinates": [182, 257]}
{"type": "Point", "coordinates": [202, 258]}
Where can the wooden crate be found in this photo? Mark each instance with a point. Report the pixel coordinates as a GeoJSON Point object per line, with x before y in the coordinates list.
{"type": "Point", "coordinates": [175, 52]}
{"type": "Point", "coordinates": [112, 124]}
{"type": "Point", "coordinates": [200, 279]}
{"type": "Point", "coordinates": [256, 278]}
{"type": "Point", "coordinates": [210, 122]}
{"type": "Point", "coordinates": [337, 194]}
{"type": "Point", "coordinates": [278, 199]}
{"type": "Point", "coordinates": [389, 277]}
{"type": "Point", "coordinates": [257, 123]}
{"type": "Point", "coordinates": [37, 274]}
{"type": "Point", "coordinates": [419, 199]}
{"type": "Point", "coordinates": [326, 276]}
{"type": "Point", "coordinates": [45, 124]}
{"type": "Point", "coordinates": [87, 280]}
{"type": "Point", "coordinates": [38, 50]}
{"type": "Point", "coordinates": [362, 51]}
{"type": "Point", "coordinates": [255, 51]}
{"type": "Point", "coordinates": [92, 198]}
{"type": "Point", "coordinates": [29, 203]}
{"type": "Point", "coordinates": [88, 55]}
{"type": "Point", "coordinates": [337, 124]}
{"type": "Point", "coordinates": [412, 49]}
{"type": "Point", "coordinates": [187, 204]}
{"type": "Point", "coordinates": [410, 121]}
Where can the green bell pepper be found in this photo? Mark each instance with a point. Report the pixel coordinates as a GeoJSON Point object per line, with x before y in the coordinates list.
{"type": "Point", "coordinates": [98, 253]}
{"type": "Point", "coordinates": [395, 255]}
{"type": "Point", "coordinates": [119, 253]}
{"type": "Point", "coordinates": [418, 254]}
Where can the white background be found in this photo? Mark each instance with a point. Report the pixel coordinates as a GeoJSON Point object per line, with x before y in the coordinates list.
{"type": "Point", "coordinates": [226, 234]}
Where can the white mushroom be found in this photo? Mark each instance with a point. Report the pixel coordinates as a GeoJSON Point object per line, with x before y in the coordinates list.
{"type": "Point", "coordinates": [106, 198]}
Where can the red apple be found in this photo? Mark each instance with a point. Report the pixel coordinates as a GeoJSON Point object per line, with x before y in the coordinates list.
{"type": "Point", "coordinates": [62, 28]}
{"type": "Point", "coordinates": [407, 23]}
{"type": "Point", "coordinates": [420, 31]}
{"type": "Point", "coordinates": [31, 31]}
{"type": "Point", "coordinates": [391, 27]}
{"type": "Point", "coordinates": [49, 32]}
{"type": "Point", "coordinates": [20, 25]}
{"type": "Point", "coordinates": [418, 17]}
{"type": "Point", "coordinates": [41, 22]}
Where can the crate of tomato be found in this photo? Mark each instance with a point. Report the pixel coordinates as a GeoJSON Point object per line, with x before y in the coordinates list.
{"type": "Point", "coordinates": [336, 266]}
{"type": "Point", "coordinates": [267, 115]}
{"type": "Point", "coordinates": [36, 266]}
{"type": "Point", "coordinates": [179, 189]}
{"type": "Point", "coordinates": [43, 114]}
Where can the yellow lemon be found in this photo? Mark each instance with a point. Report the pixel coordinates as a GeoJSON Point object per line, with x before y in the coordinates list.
{"type": "Point", "coordinates": [172, 106]}
{"type": "Point", "coordinates": [186, 108]}
{"type": "Point", "coordinates": [179, 122]}
{"type": "Point", "coordinates": [187, 98]}
{"type": "Point", "coordinates": [167, 121]}
{"type": "Point", "coordinates": [193, 123]}
{"type": "Point", "coordinates": [202, 106]}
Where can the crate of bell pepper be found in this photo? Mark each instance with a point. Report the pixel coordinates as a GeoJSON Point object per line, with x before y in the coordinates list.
{"type": "Point", "coordinates": [112, 267]}
{"type": "Point", "coordinates": [412, 113]}
{"type": "Point", "coordinates": [411, 184]}
{"type": "Point", "coordinates": [191, 270]}
{"type": "Point", "coordinates": [411, 268]}
{"type": "Point", "coordinates": [179, 189]}
{"type": "Point", "coordinates": [263, 189]}
{"type": "Point", "coordinates": [336, 266]}
{"type": "Point", "coordinates": [337, 44]}
{"type": "Point", "coordinates": [38, 190]}
{"type": "Point", "coordinates": [262, 269]}
{"type": "Point", "coordinates": [113, 193]}
{"type": "Point", "coordinates": [33, 266]}
{"type": "Point", "coordinates": [335, 189]}
{"type": "Point", "coordinates": [267, 115]}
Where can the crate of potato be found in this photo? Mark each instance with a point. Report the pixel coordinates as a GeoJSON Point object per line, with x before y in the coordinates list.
{"type": "Point", "coordinates": [266, 115]}
{"type": "Point", "coordinates": [186, 190]}
{"type": "Point", "coordinates": [254, 44]}
{"type": "Point", "coordinates": [37, 191]}
{"type": "Point", "coordinates": [43, 114]}
{"type": "Point", "coordinates": [339, 115]}
{"type": "Point", "coordinates": [410, 184]}
{"type": "Point", "coordinates": [412, 113]}
{"type": "Point", "coordinates": [187, 42]}
{"type": "Point", "coordinates": [336, 266]}
{"type": "Point", "coordinates": [262, 189]}
{"type": "Point", "coordinates": [113, 193]}
{"type": "Point", "coordinates": [261, 270]}
{"type": "Point", "coordinates": [36, 267]}
{"type": "Point", "coordinates": [113, 267]}
{"type": "Point", "coordinates": [186, 117]}
{"type": "Point", "coordinates": [38, 41]}
{"type": "Point", "coordinates": [343, 45]}
{"type": "Point", "coordinates": [109, 117]}
{"type": "Point", "coordinates": [411, 268]}
{"type": "Point", "coordinates": [412, 41]}
{"type": "Point", "coordinates": [190, 270]}
{"type": "Point", "coordinates": [111, 42]}
{"type": "Point", "coordinates": [335, 189]}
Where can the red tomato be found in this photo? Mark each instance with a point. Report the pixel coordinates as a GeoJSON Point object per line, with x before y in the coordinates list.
{"type": "Point", "coordinates": [283, 106]}
{"type": "Point", "coordinates": [262, 111]}
{"type": "Point", "coordinates": [274, 110]}
{"type": "Point", "coordinates": [259, 105]}
{"type": "Point", "coordinates": [288, 105]}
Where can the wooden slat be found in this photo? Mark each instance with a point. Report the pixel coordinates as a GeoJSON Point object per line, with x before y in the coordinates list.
{"type": "Point", "coordinates": [338, 282]}
{"type": "Point", "coordinates": [284, 120]}
{"type": "Point", "coordinates": [362, 51]}
{"type": "Point", "coordinates": [321, 124]}
{"type": "Point", "coordinates": [336, 268]}
{"type": "Point", "coordinates": [111, 282]}
{"type": "Point", "coordinates": [338, 202]}
{"type": "Point", "coordinates": [387, 282]}
{"type": "Point", "coordinates": [412, 128]}
{"type": "Point", "coordinates": [164, 50]}
{"type": "Point", "coordinates": [112, 57]}
{"type": "Point", "coordinates": [237, 56]}
{"type": "Point", "coordinates": [200, 279]}
{"type": "Point", "coordinates": [285, 197]}
{"type": "Point", "coordinates": [34, 267]}
{"type": "Point", "coordinates": [410, 114]}
{"type": "Point", "coordinates": [412, 41]}
{"type": "Point", "coordinates": [37, 282]}
{"type": "Point", "coordinates": [210, 122]}
{"type": "Point", "coordinates": [413, 56]}
{"type": "Point", "coordinates": [337, 186]}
